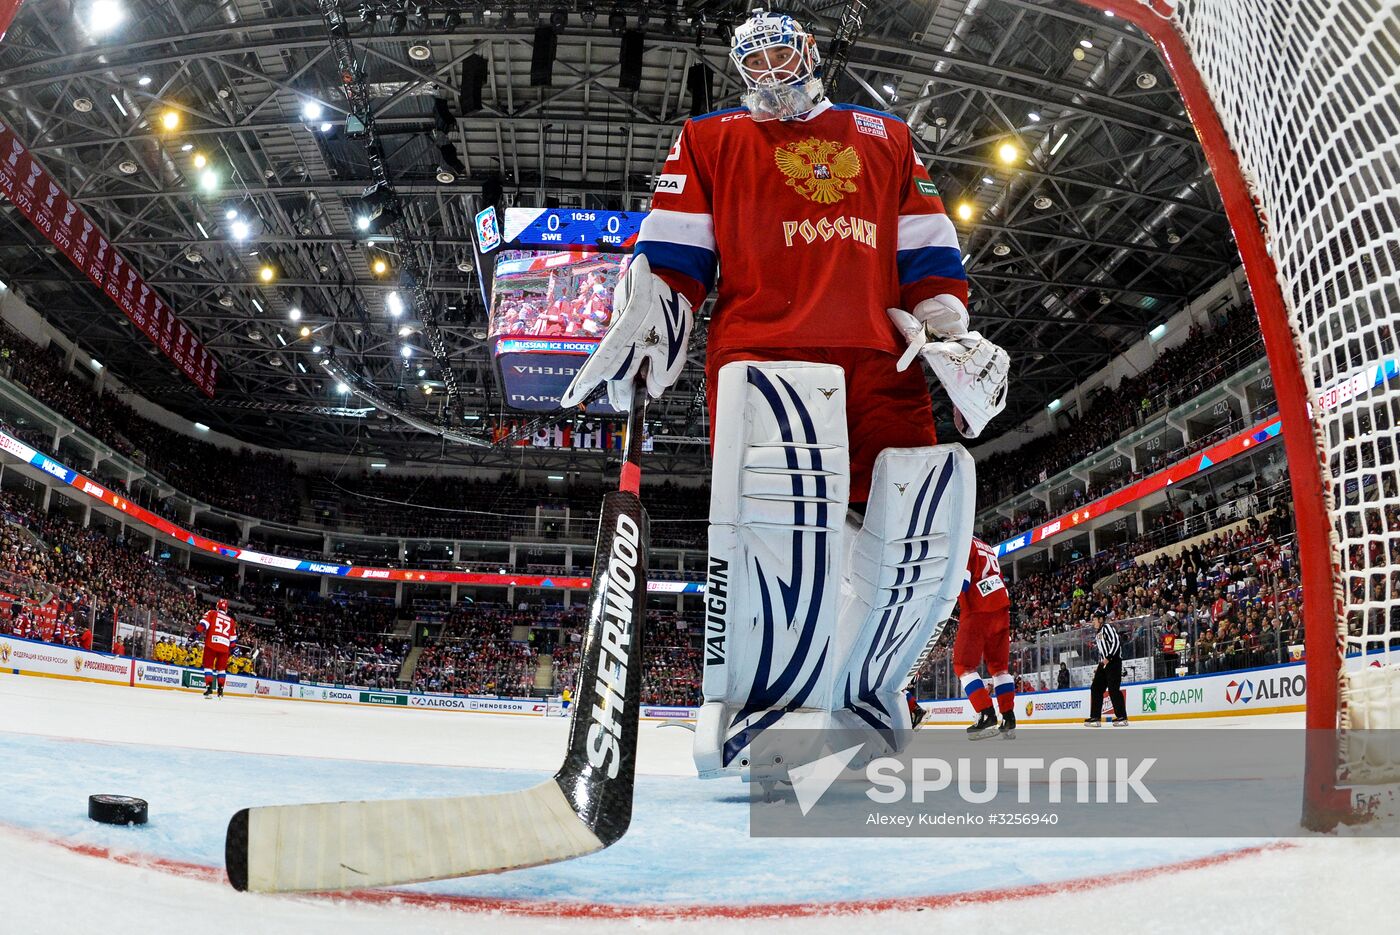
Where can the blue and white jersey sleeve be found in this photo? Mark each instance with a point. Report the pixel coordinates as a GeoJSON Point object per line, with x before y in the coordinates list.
{"type": "Point", "coordinates": [678, 235]}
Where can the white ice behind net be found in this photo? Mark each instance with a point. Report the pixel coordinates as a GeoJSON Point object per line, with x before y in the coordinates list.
{"type": "Point", "coordinates": [1309, 93]}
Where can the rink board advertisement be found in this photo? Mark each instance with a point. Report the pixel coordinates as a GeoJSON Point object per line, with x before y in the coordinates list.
{"type": "Point", "coordinates": [1267, 690]}
{"type": "Point", "coordinates": [29, 656]}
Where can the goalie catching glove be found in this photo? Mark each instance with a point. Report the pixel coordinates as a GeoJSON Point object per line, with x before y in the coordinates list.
{"type": "Point", "coordinates": [972, 369]}
{"type": "Point", "coordinates": [651, 322]}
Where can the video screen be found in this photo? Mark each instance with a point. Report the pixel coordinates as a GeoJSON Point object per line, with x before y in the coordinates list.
{"type": "Point", "coordinates": [551, 298]}
{"type": "Point", "coordinates": [564, 294]}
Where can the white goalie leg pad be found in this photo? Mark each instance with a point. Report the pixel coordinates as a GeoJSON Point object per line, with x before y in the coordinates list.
{"type": "Point", "coordinates": [777, 512]}
{"type": "Point", "coordinates": [904, 573]}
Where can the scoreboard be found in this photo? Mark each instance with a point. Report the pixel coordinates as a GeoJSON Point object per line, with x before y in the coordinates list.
{"type": "Point", "coordinates": [551, 297]}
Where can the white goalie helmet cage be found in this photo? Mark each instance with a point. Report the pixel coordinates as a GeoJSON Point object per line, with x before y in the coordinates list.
{"type": "Point", "coordinates": [778, 88]}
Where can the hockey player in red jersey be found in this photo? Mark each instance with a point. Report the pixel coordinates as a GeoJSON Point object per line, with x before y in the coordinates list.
{"type": "Point", "coordinates": [220, 633]}
{"type": "Point", "coordinates": [836, 265]}
{"type": "Point", "coordinates": [984, 635]}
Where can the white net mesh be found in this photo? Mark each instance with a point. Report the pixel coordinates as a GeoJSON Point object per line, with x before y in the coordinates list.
{"type": "Point", "coordinates": [1309, 94]}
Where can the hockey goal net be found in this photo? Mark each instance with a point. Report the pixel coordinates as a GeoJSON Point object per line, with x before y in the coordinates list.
{"type": "Point", "coordinates": [1297, 105]}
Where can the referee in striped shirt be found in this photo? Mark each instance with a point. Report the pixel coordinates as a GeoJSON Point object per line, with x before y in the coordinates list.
{"type": "Point", "coordinates": [1108, 676]}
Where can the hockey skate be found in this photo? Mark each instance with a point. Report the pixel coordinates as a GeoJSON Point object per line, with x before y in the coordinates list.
{"type": "Point", "coordinates": [209, 690]}
{"type": "Point", "coordinates": [1008, 725]}
{"type": "Point", "coordinates": [1092, 722]}
{"type": "Point", "coordinates": [1118, 722]}
{"type": "Point", "coordinates": [985, 727]}
{"type": "Point", "coordinates": [917, 716]}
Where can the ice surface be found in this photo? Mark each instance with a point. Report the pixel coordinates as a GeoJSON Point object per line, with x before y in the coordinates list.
{"type": "Point", "coordinates": [198, 761]}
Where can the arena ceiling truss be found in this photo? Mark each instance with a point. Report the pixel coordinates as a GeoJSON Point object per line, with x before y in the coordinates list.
{"type": "Point", "coordinates": [1104, 225]}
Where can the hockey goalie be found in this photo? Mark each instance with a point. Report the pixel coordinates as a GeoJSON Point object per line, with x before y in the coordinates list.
{"type": "Point", "coordinates": [839, 527]}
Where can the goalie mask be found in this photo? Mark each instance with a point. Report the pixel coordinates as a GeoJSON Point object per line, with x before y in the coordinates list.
{"type": "Point", "coordinates": [780, 65]}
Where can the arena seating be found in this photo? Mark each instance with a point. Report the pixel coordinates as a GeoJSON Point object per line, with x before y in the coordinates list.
{"type": "Point", "coordinates": [1205, 358]}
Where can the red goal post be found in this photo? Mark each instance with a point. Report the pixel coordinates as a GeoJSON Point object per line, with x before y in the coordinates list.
{"type": "Point", "coordinates": [1297, 109]}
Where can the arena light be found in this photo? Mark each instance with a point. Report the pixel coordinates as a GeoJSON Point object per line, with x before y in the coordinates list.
{"type": "Point", "coordinates": [362, 222]}
{"type": "Point", "coordinates": [1053, 406]}
{"type": "Point", "coordinates": [326, 127]}
{"type": "Point", "coordinates": [380, 267]}
{"type": "Point", "coordinates": [1033, 117]}
{"type": "Point", "coordinates": [964, 211]}
{"type": "Point", "coordinates": [294, 313]}
{"type": "Point", "coordinates": [1009, 153]}
{"type": "Point", "coordinates": [103, 16]}
{"type": "Point", "coordinates": [200, 161]}
{"type": "Point", "coordinates": [201, 427]}
{"type": "Point", "coordinates": [240, 230]}
{"type": "Point", "coordinates": [144, 81]}
{"type": "Point", "coordinates": [170, 120]}
{"type": "Point", "coordinates": [267, 274]}
{"type": "Point", "coordinates": [342, 389]}
{"type": "Point", "coordinates": [378, 465]}
{"type": "Point", "coordinates": [311, 110]}
{"type": "Point", "coordinates": [305, 331]}
{"type": "Point", "coordinates": [1157, 333]}
{"type": "Point", "coordinates": [209, 180]}
{"type": "Point", "coordinates": [316, 348]}
{"type": "Point", "coordinates": [395, 304]}
{"type": "Point", "coordinates": [186, 147]}
{"type": "Point", "coordinates": [405, 352]}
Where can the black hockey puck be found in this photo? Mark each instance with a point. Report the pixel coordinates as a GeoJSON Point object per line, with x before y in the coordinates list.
{"type": "Point", "coordinates": [117, 809]}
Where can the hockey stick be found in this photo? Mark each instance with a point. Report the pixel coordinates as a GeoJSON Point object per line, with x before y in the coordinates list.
{"type": "Point", "coordinates": [586, 806]}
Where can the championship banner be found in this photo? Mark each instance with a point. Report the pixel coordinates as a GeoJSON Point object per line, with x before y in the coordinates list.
{"type": "Point", "coordinates": [40, 199]}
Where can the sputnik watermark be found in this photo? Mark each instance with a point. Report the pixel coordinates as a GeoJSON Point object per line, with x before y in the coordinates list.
{"type": "Point", "coordinates": [917, 780]}
{"type": "Point", "coordinates": [1167, 783]}
{"type": "Point", "coordinates": [1103, 780]}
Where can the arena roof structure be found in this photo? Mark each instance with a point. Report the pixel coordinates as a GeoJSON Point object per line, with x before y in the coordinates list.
{"type": "Point", "coordinates": [1084, 204]}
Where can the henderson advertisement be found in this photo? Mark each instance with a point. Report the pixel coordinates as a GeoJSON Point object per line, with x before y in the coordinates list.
{"type": "Point", "coordinates": [40, 199]}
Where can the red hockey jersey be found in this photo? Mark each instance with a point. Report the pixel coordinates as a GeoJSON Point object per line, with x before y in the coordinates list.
{"type": "Point", "coordinates": [220, 631]}
{"type": "Point", "coordinates": [984, 589]}
{"type": "Point", "coordinates": [815, 227]}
